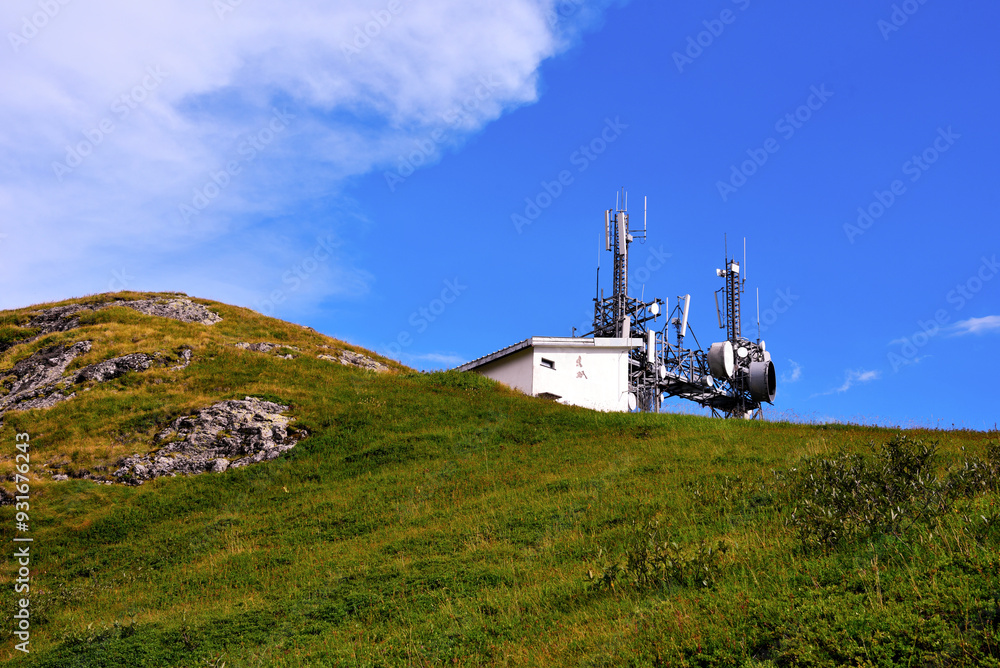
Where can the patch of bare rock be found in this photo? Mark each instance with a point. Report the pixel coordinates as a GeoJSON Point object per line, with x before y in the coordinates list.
{"type": "Point", "coordinates": [64, 318]}
{"type": "Point", "coordinates": [228, 434]}
{"type": "Point", "coordinates": [184, 310]}
{"type": "Point", "coordinates": [351, 358]}
{"type": "Point", "coordinates": [265, 347]}
{"type": "Point", "coordinates": [41, 381]}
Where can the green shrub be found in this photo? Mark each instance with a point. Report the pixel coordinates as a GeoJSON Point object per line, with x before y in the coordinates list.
{"type": "Point", "coordinates": [852, 497]}
{"type": "Point", "coordinates": [653, 561]}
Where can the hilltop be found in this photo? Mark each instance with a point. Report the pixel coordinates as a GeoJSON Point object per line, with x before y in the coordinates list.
{"type": "Point", "coordinates": [211, 486]}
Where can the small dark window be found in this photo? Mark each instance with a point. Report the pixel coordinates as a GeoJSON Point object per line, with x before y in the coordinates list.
{"type": "Point", "coordinates": [549, 364]}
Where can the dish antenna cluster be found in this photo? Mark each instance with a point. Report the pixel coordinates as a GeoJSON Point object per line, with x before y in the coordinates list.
{"type": "Point", "coordinates": [734, 378]}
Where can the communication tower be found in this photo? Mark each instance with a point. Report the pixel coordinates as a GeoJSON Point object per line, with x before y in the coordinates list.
{"type": "Point", "coordinates": [734, 378]}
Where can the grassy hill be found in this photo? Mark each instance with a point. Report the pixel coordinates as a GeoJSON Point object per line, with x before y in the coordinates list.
{"type": "Point", "coordinates": [442, 519]}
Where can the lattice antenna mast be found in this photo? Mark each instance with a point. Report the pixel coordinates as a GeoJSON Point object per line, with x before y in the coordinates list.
{"type": "Point", "coordinates": [620, 281]}
{"type": "Point", "coordinates": [733, 293]}
{"type": "Point", "coordinates": [617, 315]}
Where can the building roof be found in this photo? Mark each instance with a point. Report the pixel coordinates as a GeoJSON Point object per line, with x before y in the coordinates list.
{"type": "Point", "coordinates": [551, 342]}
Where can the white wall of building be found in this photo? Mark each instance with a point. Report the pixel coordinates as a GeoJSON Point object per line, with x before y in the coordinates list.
{"type": "Point", "coordinates": [514, 370]}
{"type": "Point", "coordinates": [580, 372]}
{"type": "Point", "coordinates": [593, 378]}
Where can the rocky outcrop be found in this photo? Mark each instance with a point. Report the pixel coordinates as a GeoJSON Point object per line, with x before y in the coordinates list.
{"type": "Point", "coordinates": [58, 319]}
{"type": "Point", "coordinates": [113, 368]}
{"type": "Point", "coordinates": [184, 310]}
{"type": "Point", "coordinates": [345, 357]}
{"type": "Point", "coordinates": [64, 318]}
{"type": "Point", "coordinates": [226, 435]}
{"type": "Point", "coordinates": [350, 358]}
{"type": "Point", "coordinates": [34, 382]}
{"type": "Point", "coordinates": [265, 347]}
{"type": "Point", "coordinates": [44, 367]}
{"type": "Point", "coordinates": [39, 381]}
{"type": "Point", "coordinates": [186, 357]}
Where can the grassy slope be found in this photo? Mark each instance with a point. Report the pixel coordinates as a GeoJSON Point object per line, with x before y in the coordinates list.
{"type": "Point", "coordinates": [442, 518]}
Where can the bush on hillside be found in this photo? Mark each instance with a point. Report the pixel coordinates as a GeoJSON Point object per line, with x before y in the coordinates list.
{"type": "Point", "coordinates": [850, 497]}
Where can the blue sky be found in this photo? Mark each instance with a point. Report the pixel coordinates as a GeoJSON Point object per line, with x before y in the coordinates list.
{"type": "Point", "coordinates": [428, 179]}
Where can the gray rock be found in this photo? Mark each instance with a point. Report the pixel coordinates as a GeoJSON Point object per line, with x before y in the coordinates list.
{"type": "Point", "coordinates": [45, 366]}
{"type": "Point", "coordinates": [257, 347]}
{"type": "Point", "coordinates": [186, 356]}
{"type": "Point", "coordinates": [350, 358]}
{"type": "Point", "coordinates": [266, 347]}
{"type": "Point", "coordinates": [184, 310]}
{"type": "Point", "coordinates": [38, 381]}
{"type": "Point", "coordinates": [58, 318]}
{"type": "Point", "coordinates": [113, 368]}
{"type": "Point", "coordinates": [46, 401]}
{"type": "Point", "coordinates": [228, 434]}
{"type": "Point", "coordinates": [65, 318]}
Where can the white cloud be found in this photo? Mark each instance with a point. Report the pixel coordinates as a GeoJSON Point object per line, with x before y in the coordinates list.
{"type": "Point", "coordinates": [160, 97]}
{"type": "Point", "coordinates": [985, 325]}
{"type": "Point", "coordinates": [852, 377]}
{"type": "Point", "coordinates": [794, 374]}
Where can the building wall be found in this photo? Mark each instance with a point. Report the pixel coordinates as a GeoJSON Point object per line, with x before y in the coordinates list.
{"type": "Point", "coordinates": [594, 378]}
{"type": "Point", "coordinates": [514, 370]}
{"type": "Point", "coordinates": [591, 376]}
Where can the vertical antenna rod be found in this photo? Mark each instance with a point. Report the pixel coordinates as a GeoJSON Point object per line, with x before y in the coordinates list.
{"type": "Point", "coordinates": [758, 314]}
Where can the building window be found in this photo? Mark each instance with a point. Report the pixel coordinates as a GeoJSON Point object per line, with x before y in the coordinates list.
{"type": "Point", "coordinates": [548, 364]}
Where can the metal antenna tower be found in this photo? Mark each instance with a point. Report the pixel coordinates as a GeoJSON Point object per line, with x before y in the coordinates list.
{"type": "Point", "coordinates": [733, 378]}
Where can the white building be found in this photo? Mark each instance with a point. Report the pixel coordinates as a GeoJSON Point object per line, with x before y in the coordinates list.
{"type": "Point", "coordinates": [592, 373]}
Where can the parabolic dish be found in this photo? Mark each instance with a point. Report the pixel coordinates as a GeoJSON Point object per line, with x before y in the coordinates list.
{"type": "Point", "coordinates": [720, 360]}
{"type": "Point", "coordinates": [762, 381]}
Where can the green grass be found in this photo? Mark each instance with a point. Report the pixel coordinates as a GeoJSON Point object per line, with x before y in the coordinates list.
{"type": "Point", "coordinates": [442, 519]}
